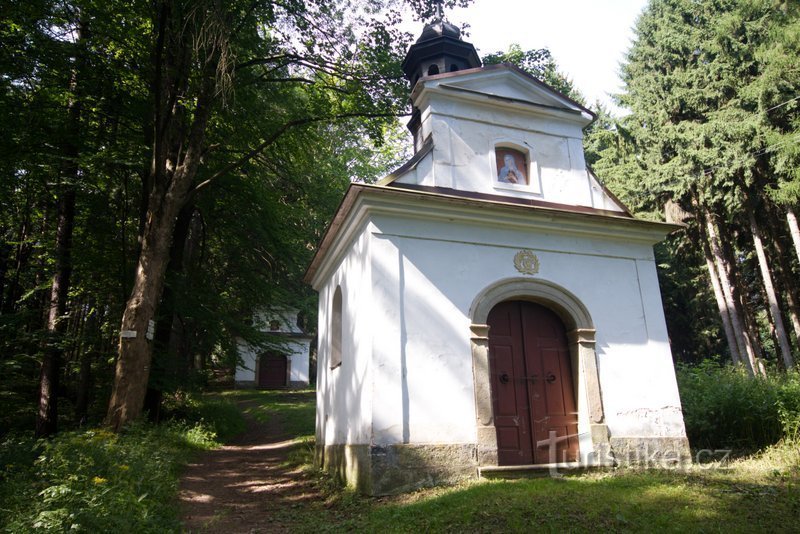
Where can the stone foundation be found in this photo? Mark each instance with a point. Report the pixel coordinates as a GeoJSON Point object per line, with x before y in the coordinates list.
{"type": "Point", "coordinates": [655, 452]}
{"type": "Point", "coordinates": [390, 469]}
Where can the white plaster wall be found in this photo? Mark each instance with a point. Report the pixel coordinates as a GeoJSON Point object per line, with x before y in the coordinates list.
{"type": "Point", "coordinates": [286, 318]}
{"type": "Point", "coordinates": [246, 371]}
{"type": "Point", "coordinates": [465, 133]}
{"type": "Point", "coordinates": [464, 159]}
{"type": "Point", "coordinates": [435, 269]}
{"type": "Point", "coordinates": [423, 384]}
{"type": "Point", "coordinates": [298, 352]}
{"type": "Point", "coordinates": [344, 398]}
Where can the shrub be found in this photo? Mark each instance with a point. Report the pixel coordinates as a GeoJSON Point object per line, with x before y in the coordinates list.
{"type": "Point", "coordinates": [724, 407]}
{"type": "Point", "coordinates": [789, 406]}
{"type": "Point", "coordinates": [98, 481]}
{"type": "Point", "coordinates": [218, 414]}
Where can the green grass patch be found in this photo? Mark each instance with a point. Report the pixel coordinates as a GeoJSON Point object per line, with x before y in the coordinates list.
{"type": "Point", "coordinates": [761, 493]}
{"type": "Point", "coordinates": [294, 410]}
{"type": "Point", "coordinates": [757, 493]}
{"type": "Point", "coordinates": [98, 481]}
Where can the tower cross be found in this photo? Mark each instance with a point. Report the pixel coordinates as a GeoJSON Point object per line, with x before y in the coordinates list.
{"type": "Point", "coordinates": [440, 10]}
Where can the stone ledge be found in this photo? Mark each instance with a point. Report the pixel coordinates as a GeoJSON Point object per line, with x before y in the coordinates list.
{"type": "Point", "coordinates": [539, 470]}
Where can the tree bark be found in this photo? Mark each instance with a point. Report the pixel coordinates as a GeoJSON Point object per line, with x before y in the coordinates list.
{"type": "Point", "coordinates": [772, 298]}
{"type": "Point", "coordinates": [47, 416]}
{"type": "Point", "coordinates": [86, 357]}
{"type": "Point", "coordinates": [22, 255]}
{"type": "Point", "coordinates": [168, 196]}
{"type": "Point", "coordinates": [163, 354]}
{"type": "Point", "coordinates": [5, 256]}
{"type": "Point", "coordinates": [743, 341]}
{"type": "Point", "coordinates": [794, 230]}
{"type": "Point", "coordinates": [741, 301]}
{"type": "Point", "coordinates": [784, 273]}
{"type": "Point", "coordinates": [722, 306]}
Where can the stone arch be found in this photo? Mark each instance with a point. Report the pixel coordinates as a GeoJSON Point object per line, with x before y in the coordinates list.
{"type": "Point", "coordinates": [581, 339]}
{"type": "Point", "coordinates": [566, 305]}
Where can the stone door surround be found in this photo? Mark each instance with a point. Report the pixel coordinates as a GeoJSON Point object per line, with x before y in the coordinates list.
{"type": "Point", "coordinates": [581, 340]}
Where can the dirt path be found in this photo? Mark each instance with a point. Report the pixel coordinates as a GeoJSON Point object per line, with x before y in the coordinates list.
{"type": "Point", "coordinates": [245, 486]}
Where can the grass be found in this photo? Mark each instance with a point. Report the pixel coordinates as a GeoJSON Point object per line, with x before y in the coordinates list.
{"type": "Point", "coordinates": [96, 481]}
{"type": "Point", "coordinates": [757, 493]}
{"type": "Point", "coordinates": [293, 410]}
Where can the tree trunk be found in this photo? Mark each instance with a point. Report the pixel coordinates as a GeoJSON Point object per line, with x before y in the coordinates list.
{"type": "Point", "coordinates": [794, 230]}
{"type": "Point", "coordinates": [166, 200]}
{"type": "Point", "coordinates": [5, 256]}
{"type": "Point", "coordinates": [163, 355]}
{"type": "Point", "coordinates": [22, 256]}
{"type": "Point", "coordinates": [91, 333]}
{"type": "Point", "coordinates": [47, 416]}
{"type": "Point", "coordinates": [743, 341]}
{"type": "Point", "coordinates": [772, 298]}
{"type": "Point", "coordinates": [722, 306]}
{"type": "Point", "coordinates": [740, 297]}
{"type": "Point", "coordinates": [784, 274]}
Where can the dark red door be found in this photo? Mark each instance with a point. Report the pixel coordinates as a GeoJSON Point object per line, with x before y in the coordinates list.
{"type": "Point", "coordinates": [532, 391]}
{"type": "Point", "coordinates": [272, 370]}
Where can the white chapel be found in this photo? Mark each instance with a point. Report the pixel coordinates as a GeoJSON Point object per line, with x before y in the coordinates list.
{"type": "Point", "coordinates": [489, 306]}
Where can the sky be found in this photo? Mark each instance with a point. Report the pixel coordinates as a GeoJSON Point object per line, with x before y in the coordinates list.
{"type": "Point", "coordinates": [588, 38]}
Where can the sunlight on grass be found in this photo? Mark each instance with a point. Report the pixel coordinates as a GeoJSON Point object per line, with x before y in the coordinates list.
{"type": "Point", "coordinates": [628, 500]}
{"type": "Point", "coordinates": [757, 493]}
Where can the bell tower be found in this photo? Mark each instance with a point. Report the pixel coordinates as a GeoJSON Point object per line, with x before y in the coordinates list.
{"type": "Point", "coordinates": [437, 51]}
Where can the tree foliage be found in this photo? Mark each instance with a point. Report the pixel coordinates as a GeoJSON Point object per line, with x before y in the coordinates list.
{"type": "Point", "coordinates": [212, 144]}
{"type": "Point", "coordinates": [711, 141]}
{"type": "Point", "coordinates": [538, 63]}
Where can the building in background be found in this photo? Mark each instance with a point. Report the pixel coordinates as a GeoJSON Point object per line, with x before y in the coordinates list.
{"type": "Point", "coordinates": [286, 365]}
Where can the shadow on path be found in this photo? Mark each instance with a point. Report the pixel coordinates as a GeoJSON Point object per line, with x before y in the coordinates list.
{"type": "Point", "coordinates": [246, 486]}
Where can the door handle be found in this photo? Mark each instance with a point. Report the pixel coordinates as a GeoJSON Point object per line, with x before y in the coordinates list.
{"type": "Point", "coordinates": [550, 378]}
{"type": "Point", "coordinates": [504, 378]}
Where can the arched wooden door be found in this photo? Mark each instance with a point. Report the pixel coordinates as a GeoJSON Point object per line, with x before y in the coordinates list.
{"type": "Point", "coordinates": [272, 370]}
{"type": "Point", "coordinates": [532, 390]}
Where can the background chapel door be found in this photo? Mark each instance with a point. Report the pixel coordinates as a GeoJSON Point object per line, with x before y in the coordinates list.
{"type": "Point", "coordinates": [532, 388]}
{"type": "Point", "coordinates": [272, 370]}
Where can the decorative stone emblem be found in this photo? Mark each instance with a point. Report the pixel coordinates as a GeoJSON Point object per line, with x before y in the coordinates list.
{"type": "Point", "coordinates": [526, 262]}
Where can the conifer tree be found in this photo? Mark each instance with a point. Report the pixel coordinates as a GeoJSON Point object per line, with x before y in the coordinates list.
{"type": "Point", "coordinates": [703, 79]}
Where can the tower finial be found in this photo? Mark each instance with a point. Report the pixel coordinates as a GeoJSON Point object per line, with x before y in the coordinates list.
{"type": "Point", "coordinates": [439, 10]}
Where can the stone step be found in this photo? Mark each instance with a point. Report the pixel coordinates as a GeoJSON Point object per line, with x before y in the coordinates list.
{"type": "Point", "coordinates": [539, 470]}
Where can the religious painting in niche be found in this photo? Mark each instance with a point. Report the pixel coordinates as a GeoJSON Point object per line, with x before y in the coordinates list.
{"type": "Point", "coordinates": [512, 166]}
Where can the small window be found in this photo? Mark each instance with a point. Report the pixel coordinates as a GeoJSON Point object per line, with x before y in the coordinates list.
{"type": "Point", "coordinates": [336, 329]}
{"type": "Point", "coordinates": [433, 69]}
{"type": "Point", "coordinates": [274, 325]}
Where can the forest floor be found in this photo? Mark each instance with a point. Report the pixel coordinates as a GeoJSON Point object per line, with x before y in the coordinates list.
{"type": "Point", "coordinates": [249, 485]}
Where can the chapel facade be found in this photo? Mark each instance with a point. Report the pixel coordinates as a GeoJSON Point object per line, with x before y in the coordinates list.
{"type": "Point", "coordinates": [489, 306]}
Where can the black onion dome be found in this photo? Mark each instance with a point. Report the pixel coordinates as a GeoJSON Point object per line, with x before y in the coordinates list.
{"type": "Point", "coordinates": [439, 29]}
{"type": "Point", "coordinates": [439, 50]}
